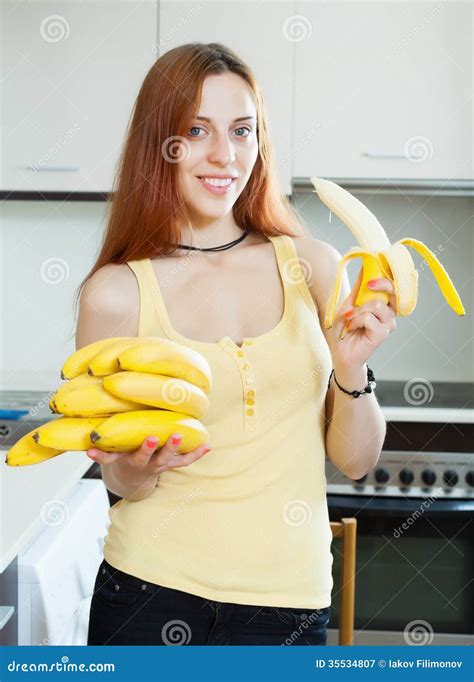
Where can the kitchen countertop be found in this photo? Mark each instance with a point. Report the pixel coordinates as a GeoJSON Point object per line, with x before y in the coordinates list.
{"type": "Point", "coordinates": [414, 400]}
{"type": "Point", "coordinates": [419, 400]}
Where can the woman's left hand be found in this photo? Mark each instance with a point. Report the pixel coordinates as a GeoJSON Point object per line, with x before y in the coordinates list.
{"type": "Point", "coordinates": [369, 325]}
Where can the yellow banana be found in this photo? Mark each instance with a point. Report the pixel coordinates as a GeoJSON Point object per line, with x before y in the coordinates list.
{"type": "Point", "coordinates": [105, 361]}
{"type": "Point", "coordinates": [92, 401]}
{"type": "Point", "coordinates": [159, 391]}
{"type": "Point", "coordinates": [26, 452]}
{"type": "Point", "coordinates": [123, 432]}
{"type": "Point", "coordinates": [379, 257]}
{"type": "Point", "coordinates": [81, 380]}
{"type": "Point", "coordinates": [78, 362]}
{"type": "Point", "coordinates": [67, 433]}
{"type": "Point", "coordinates": [162, 356]}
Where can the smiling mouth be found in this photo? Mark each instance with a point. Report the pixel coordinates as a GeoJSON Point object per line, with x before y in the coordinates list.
{"type": "Point", "coordinates": [217, 189]}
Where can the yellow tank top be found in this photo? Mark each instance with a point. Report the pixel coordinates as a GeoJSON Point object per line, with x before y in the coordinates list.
{"type": "Point", "coordinates": [247, 523]}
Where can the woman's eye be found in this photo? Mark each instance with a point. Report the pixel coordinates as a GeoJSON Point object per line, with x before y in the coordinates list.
{"type": "Point", "coordinates": [245, 128]}
{"type": "Point", "coordinates": [195, 128]}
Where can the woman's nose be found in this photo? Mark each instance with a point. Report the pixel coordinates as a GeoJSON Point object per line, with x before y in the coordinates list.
{"type": "Point", "coordinates": [222, 151]}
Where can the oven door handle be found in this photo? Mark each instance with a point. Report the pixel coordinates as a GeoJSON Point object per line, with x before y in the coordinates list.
{"type": "Point", "coordinates": [394, 506]}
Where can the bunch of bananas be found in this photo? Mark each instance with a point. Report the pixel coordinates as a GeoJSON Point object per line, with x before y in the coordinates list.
{"type": "Point", "coordinates": [118, 392]}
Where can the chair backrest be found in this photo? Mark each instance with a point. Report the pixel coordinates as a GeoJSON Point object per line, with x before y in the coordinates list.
{"type": "Point", "coordinates": [346, 531]}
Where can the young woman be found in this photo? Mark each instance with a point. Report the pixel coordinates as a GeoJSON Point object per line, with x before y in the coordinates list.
{"type": "Point", "coordinates": [229, 544]}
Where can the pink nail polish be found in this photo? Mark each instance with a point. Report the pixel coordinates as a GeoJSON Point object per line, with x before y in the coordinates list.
{"type": "Point", "coordinates": [151, 442]}
{"type": "Point", "coordinates": [175, 440]}
{"type": "Point", "coordinates": [371, 282]}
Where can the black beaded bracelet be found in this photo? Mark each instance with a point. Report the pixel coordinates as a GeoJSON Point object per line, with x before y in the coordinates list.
{"type": "Point", "coordinates": [355, 394]}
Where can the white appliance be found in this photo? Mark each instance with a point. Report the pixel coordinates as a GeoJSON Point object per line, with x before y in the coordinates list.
{"type": "Point", "coordinates": [56, 574]}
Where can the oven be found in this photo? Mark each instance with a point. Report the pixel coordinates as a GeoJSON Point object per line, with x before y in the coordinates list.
{"type": "Point", "coordinates": [415, 538]}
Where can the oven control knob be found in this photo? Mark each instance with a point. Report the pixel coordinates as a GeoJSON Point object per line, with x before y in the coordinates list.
{"type": "Point", "coordinates": [406, 476]}
{"type": "Point", "coordinates": [360, 480]}
{"type": "Point", "coordinates": [470, 477]}
{"type": "Point", "coordinates": [381, 475]}
{"type": "Point", "coordinates": [450, 477]}
{"type": "Point", "coordinates": [428, 477]}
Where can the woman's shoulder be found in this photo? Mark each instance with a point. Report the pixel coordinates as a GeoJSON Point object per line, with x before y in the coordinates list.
{"type": "Point", "coordinates": [320, 262]}
{"type": "Point", "coordinates": [112, 283]}
{"type": "Point", "coordinates": [111, 296]}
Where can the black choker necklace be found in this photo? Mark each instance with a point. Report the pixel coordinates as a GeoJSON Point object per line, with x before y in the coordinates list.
{"type": "Point", "coordinates": [217, 248]}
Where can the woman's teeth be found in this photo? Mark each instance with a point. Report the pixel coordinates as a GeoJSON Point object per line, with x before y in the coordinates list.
{"type": "Point", "coordinates": [217, 183]}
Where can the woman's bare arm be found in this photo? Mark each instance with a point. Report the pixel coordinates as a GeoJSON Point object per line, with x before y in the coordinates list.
{"type": "Point", "coordinates": [355, 429]}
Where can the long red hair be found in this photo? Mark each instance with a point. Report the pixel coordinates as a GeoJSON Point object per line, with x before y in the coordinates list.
{"type": "Point", "coordinates": [146, 208]}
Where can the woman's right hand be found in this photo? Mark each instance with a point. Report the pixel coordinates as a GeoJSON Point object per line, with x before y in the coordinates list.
{"type": "Point", "coordinates": [150, 459]}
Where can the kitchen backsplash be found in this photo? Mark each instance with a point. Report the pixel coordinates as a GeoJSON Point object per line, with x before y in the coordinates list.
{"type": "Point", "coordinates": [48, 247]}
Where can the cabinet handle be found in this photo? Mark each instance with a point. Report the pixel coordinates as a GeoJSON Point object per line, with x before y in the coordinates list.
{"type": "Point", "coordinates": [6, 612]}
{"type": "Point", "coordinates": [39, 169]}
{"type": "Point", "coordinates": [381, 155]}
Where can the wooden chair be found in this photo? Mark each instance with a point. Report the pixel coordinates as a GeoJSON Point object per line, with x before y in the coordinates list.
{"type": "Point", "coordinates": [346, 530]}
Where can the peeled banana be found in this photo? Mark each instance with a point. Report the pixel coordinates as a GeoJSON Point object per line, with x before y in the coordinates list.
{"type": "Point", "coordinates": [127, 431]}
{"type": "Point", "coordinates": [379, 257]}
{"type": "Point", "coordinates": [160, 391]}
{"type": "Point", "coordinates": [26, 451]}
{"type": "Point", "coordinates": [67, 433]}
{"type": "Point", "coordinates": [162, 356]}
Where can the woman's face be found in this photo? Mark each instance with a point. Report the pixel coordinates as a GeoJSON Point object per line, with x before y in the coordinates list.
{"type": "Point", "coordinates": [221, 145]}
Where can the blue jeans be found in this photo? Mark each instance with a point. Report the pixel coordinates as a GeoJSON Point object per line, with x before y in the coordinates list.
{"type": "Point", "coordinates": [127, 610]}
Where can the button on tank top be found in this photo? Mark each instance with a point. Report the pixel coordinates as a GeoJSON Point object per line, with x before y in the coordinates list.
{"type": "Point", "coordinates": [247, 523]}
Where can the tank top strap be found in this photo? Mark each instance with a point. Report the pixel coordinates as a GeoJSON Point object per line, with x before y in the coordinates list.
{"type": "Point", "coordinates": [149, 317]}
{"type": "Point", "coordinates": [293, 271]}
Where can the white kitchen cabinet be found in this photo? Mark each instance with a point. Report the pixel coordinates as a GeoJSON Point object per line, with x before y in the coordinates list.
{"type": "Point", "coordinates": [386, 88]}
{"type": "Point", "coordinates": [71, 71]}
{"type": "Point", "coordinates": [256, 31]}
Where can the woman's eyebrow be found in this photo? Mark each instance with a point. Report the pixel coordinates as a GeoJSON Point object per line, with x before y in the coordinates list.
{"type": "Point", "coordinates": [241, 118]}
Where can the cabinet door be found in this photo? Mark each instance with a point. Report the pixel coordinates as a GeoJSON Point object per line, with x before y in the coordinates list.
{"type": "Point", "coordinates": [72, 71]}
{"type": "Point", "coordinates": [387, 88]}
{"type": "Point", "coordinates": [255, 30]}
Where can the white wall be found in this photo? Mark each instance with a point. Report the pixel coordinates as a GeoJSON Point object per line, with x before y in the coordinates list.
{"type": "Point", "coordinates": [47, 249]}
{"type": "Point", "coordinates": [37, 299]}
